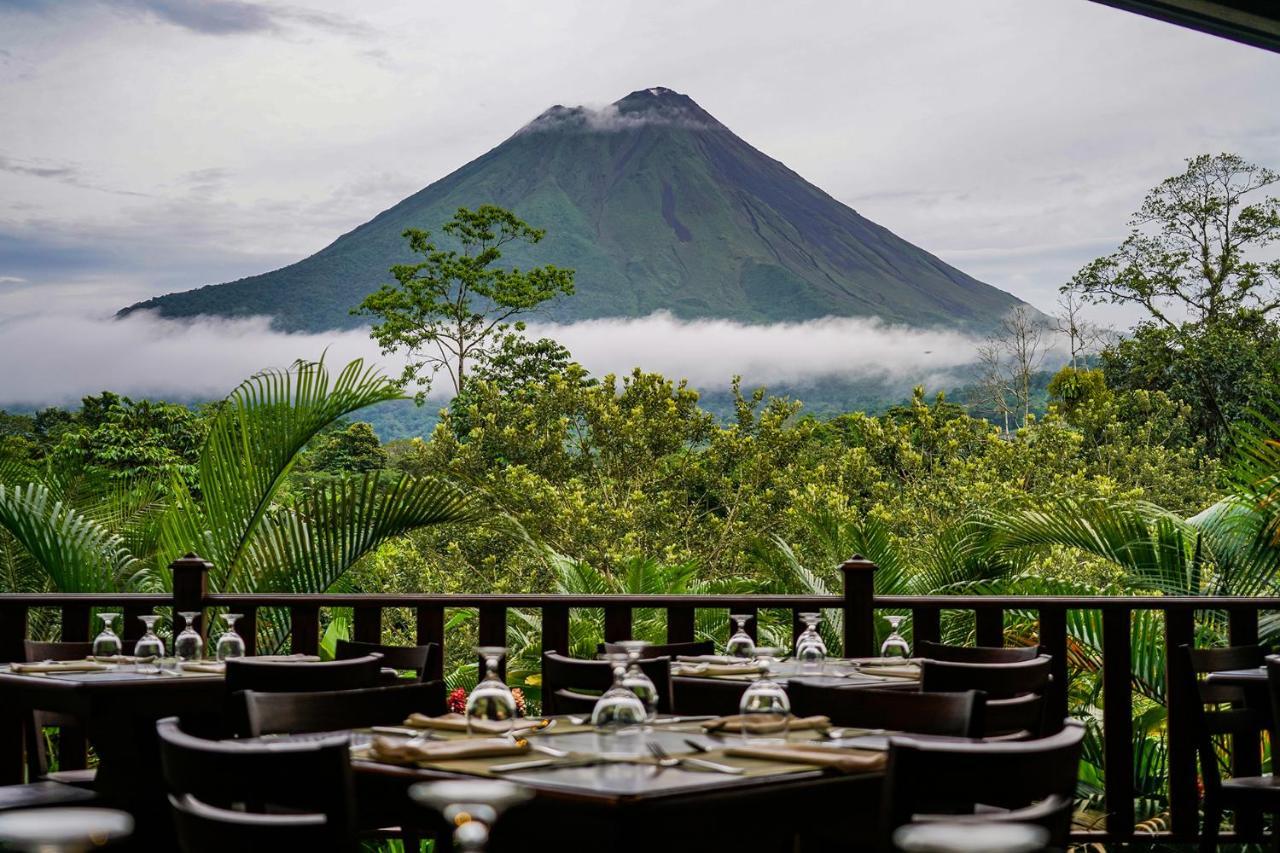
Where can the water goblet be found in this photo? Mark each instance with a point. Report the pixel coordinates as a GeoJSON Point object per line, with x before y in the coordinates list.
{"type": "Point", "coordinates": [188, 646]}
{"type": "Point", "coordinates": [150, 648]}
{"type": "Point", "coordinates": [619, 715]}
{"type": "Point", "coordinates": [765, 709]}
{"type": "Point", "coordinates": [895, 645]}
{"type": "Point", "coordinates": [740, 645]}
{"type": "Point", "coordinates": [635, 679]}
{"type": "Point", "coordinates": [811, 651]}
{"type": "Point", "coordinates": [471, 805]}
{"type": "Point", "coordinates": [491, 701]}
{"type": "Point", "coordinates": [230, 644]}
{"type": "Point", "coordinates": [107, 644]}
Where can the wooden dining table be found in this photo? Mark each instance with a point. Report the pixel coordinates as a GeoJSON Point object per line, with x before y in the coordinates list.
{"type": "Point", "coordinates": [635, 805]}
{"type": "Point", "coordinates": [720, 694]}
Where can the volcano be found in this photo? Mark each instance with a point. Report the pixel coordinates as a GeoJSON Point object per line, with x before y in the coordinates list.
{"type": "Point", "coordinates": [658, 207]}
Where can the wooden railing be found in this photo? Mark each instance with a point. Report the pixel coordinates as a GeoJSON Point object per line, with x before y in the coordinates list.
{"type": "Point", "coordinates": [857, 603]}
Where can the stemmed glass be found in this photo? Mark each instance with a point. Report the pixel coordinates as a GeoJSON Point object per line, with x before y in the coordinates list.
{"type": "Point", "coordinates": [230, 644]}
{"type": "Point", "coordinates": [618, 710]}
{"type": "Point", "coordinates": [895, 645]}
{"type": "Point", "coordinates": [765, 705]}
{"type": "Point", "coordinates": [471, 805]}
{"type": "Point", "coordinates": [740, 645]}
{"type": "Point", "coordinates": [811, 651]}
{"type": "Point", "coordinates": [188, 645]}
{"type": "Point", "coordinates": [149, 645]}
{"type": "Point", "coordinates": [635, 679]}
{"type": "Point", "coordinates": [492, 699]}
{"type": "Point", "coordinates": [107, 644]}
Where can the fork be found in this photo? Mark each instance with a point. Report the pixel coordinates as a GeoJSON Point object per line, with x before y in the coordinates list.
{"type": "Point", "coordinates": [666, 760]}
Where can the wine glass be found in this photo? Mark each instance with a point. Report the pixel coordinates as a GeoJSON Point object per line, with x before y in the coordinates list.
{"type": "Point", "coordinates": [740, 645]}
{"type": "Point", "coordinates": [619, 712]}
{"type": "Point", "coordinates": [107, 644]}
{"type": "Point", "coordinates": [635, 679]}
{"type": "Point", "coordinates": [765, 708]}
{"type": "Point", "coordinates": [230, 644]}
{"type": "Point", "coordinates": [471, 805]}
{"type": "Point", "coordinates": [491, 700]}
{"type": "Point", "coordinates": [63, 830]}
{"type": "Point", "coordinates": [188, 646]}
{"type": "Point", "coordinates": [149, 645]}
{"type": "Point", "coordinates": [811, 651]}
{"type": "Point", "coordinates": [895, 645]}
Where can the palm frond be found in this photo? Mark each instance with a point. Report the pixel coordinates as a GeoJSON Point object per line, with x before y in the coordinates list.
{"type": "Point", "coordinates": [308, 548]}
{"type": "Point", "coordinates": [76, 553]}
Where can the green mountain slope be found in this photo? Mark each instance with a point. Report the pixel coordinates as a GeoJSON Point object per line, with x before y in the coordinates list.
{"type": "Point", "coordinates": [657, 206]}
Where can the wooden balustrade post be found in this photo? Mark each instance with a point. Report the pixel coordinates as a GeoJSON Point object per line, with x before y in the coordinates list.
{"type": "Point", "coordinates": [190, 588]}
{"type": "Point", "coordinates": [1184, 799]}
{"type": "Point", "coordinates": [1117, 721]}
{"type": "Point", "coordinates": [859, 606]}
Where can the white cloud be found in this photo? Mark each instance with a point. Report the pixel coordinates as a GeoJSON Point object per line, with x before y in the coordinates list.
{"type": "Point", "coordinates": [146, 356]}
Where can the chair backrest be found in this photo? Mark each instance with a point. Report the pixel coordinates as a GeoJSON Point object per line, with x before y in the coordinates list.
{"type": "Point", "coordinates": [662, 650]}
{"type": "Point", "coordinates": [975, 654]}
{"type": "Point", "coordinates": [419, 659]}
{"type": "Point", "coordinates": [937, 777]}
{"type": "Point", "coordinates": [333, 710]}
{"type": "Point", "coordinates": [274, 676]}
{"type": "Point", "coordinates": [952, 714]}
{"type": "Point", "coordinates": [36, 650]}
{"type": "Point", "coordinates": [302, 778]}
{"type": "Point", "coordinates": [1246, 722]}
{"type": "Point", "coordinates": [1015, 692]}
{"type": "Point", "coordinates": [207, 829]}
{"type": "Point", "coordinates": [568, 684]}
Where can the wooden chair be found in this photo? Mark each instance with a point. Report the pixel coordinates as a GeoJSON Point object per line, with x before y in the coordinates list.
{"type": "Point", "coordinates": [950, 714]}
{"type": "Point", "coordinates": [1032, 781]}
{"type": "Point", "coordinates": [72, 746]}
{"type": "Point", "coordinates": [231, 795]}
{"type": "Point", "coordinates": [1242, 722]}
{"type": "Point", "coordinates": [274, 676]}
{"type": "Point", "coordinates": [975, 654]}
{"type": "Point", "coordinates": [1015, 692]}
{"type": "Point", "coordinates": [572, 686]}
{"type": "Point", "coordinates": [662, 650]}
{"type": "Point", "coordinates": [421, 660]}
{"type": "Point", "coordinates": [333, 710]}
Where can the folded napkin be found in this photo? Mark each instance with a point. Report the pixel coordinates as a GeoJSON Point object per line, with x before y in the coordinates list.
{"type": "Point", "coordinates": [214, 667]}
{"type": "Point", "coordinates": [458, 723]}
{"type": "Point", "coordinates": [716, 669]}
{"type": "Point", "coordinates": [762, 724]}
{"type": "Point", "coordinates": [710, 659]}
{"type": "Point", "coordinates": [59, 666]}
{"type": "Point", "coordinates": [398, 751]}
{"type": "Point", "coordinates": [122, 658]}
{"type": "Point", "coordinates": [907, 671]}
{"type": "Point", "coordinates": [844, 760]}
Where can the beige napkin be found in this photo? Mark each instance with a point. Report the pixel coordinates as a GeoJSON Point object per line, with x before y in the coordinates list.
{"type": "Point", "coordinates": [59, 666]}
{"type": "Point", "coordinates": [121, 658]}
{"type": "Point", "coordinates": [765, 724]}
{"type": "Point", "coordinates": [213, 667]}
{"type": "Point", "coordinates": [716, 669]}
{"type": "Point", "coordinates": [844, 760]}
{"type": "Point", "coordinates": [724, 659]}
{"type": "Point", "coordinates": [908, 671]}
{"type": "Point", "coordinates": [458, 723]}
{"type": "Point", "coordinates": [399, 751]}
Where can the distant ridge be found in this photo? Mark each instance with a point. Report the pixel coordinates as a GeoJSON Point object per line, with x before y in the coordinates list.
{"type": "Point", "coordinates": [658, 206]}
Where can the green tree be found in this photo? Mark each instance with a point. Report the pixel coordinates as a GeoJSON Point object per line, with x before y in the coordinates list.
{"type": "Point", "coordinates": [353, 450]}
{"type": "Point", "coordinates": [447, 311]}
{"type": "Point", "coordinates": [1196, 262]}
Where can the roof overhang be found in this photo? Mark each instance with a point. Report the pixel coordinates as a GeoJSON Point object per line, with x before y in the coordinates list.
{"type": "Point", "coordinates": [1253, 22]}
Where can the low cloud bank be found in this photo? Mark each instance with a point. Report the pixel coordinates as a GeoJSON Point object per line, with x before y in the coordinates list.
{"type": "Point", "coordinates": [58, 358]}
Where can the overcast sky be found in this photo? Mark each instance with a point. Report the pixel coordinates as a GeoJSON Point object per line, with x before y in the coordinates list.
{"type": "Point", "coordinates": [155, 145]}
